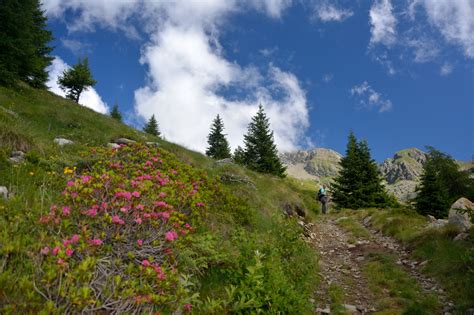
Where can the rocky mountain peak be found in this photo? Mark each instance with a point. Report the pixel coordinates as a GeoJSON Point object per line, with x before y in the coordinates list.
{"type": "Point", "coordinates": [405, 165]}
{"type": "Point", "coordinates": [319, 162]}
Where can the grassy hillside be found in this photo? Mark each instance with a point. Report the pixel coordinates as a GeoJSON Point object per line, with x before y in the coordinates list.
{"type": "Point", "coordinates": [140, 228]}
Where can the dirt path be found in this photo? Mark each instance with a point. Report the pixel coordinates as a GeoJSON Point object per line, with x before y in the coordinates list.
{"type": "Point", "coordinates": [342, 257]}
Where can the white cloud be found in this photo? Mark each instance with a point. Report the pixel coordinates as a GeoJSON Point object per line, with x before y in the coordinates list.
{"type": "Point", "coordinates": [446, 69]}
{"type": "Point", "coordinates": [454, 19]}
{"type": "Point", "coordinates": [369, 98]}
{"type": "Point", "coordinates": [326, 12]}
{"type": "Point", "coordinates": [89, 98]}
{"type": "Point", "coordinates": [424, 49]}
{"type": "Point", "coordinates": [187, 70]}
{"type": "Point", "coordinates": [383, 23]}
{"type": "Point", "coordinates": [77, 47]}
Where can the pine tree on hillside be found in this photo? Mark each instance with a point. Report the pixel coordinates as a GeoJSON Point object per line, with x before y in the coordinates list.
{"type": "Point", "coordinates": [359, 183]}
{"type": "Point", "coordinates": [442, 183]}
{"type": "Point", "coordinates": [115, 113]}
{"type": "Point", "coordinates": [239, 155]}
{"type": "Point", "coordinates": [346, 187]}
{"type": "Point", "coordinates": [24, 50]}
{"type": "Point", "coordinates": [76, 80]}
{"type": "Point", "coordinates": [260, 153]}
{"type": "Point", "coordinates": [151, 126]}
{"type": "Point", "coordinates": [218, 144]}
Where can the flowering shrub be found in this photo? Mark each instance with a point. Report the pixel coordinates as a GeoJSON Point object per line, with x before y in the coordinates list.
{"type": "Point", "coordinates": [115, 233]}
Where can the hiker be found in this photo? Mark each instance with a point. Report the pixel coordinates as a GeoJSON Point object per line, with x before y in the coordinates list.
{"type": "Point", "coordinates": [323, 198]}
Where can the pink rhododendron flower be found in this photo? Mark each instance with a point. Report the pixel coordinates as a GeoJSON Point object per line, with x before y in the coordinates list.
{"type": "Point", "coordinates": [187, 307]}
{"type": "Point", "coordinates": [56, 250]}
{"type": "Point", "coordinates": [66, 210]}
{"type": "Point", "coordinates": [199, 204]}
{"type": "Point", "coordinates": [165, 215]}
{"type": "Point", "coordinates": [162, 195]}
{"type": "Point", "coordinates": [138, 220]}
{"type": "Point", "coordinates": [70, 183]}
{"type": "Point", "coordinates": [45, 219]}
{"type": "Point", "coordinates": [66, 242]}
{"type": "Point", "coordinates": [147, 215]}
{"type": "Point", "coordinates": [139, 243]}
{"type": "Point", "coordinates": [45, 251]}
{"type": "Point", "coordinates": [145, 263]}
{"type": "Point", "coordinates": [161, 204]}
{"type": "Point", "coordinates": [171, 236]}
{"type": "Point", "coordinates": [69, 252]}
{"type": "Point", "coordinates": [187, 226]}
{"type": "Point", "coordinates": [140, 207]}
{"type": "Point", "coordinates": [60, 261]}
{"type": "Point", "coordinates": [92, 212]}
{"type": "Point", "coordinates": [85, 178]}
{"type": "Point", "coordinates": [136, 194]}
{"type": "Point", "coordinates": [148, 163]}
{"type": "Point", "coordinates": [116, 219]}
{"type": "Point", "coordinates": [75, 239]}
{"type": "Point", "coordinates": [95, 242]}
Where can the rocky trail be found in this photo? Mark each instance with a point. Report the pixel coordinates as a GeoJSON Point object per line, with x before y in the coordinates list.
{"type": "Point", "coordinates": [342, 259]}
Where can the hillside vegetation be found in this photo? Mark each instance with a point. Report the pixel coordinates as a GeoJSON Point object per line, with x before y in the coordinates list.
{"type": "Point", "coordinates": [140, 228]}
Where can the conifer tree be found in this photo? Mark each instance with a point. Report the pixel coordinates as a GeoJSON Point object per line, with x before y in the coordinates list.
{"type": "Point", "coordinates": [260, 153]}
{"type": "Point", "coordinates": [115, 113]}
{"type": "Point", "coordinates": [151, 126]}
{"type": "Point", "coordinates": [359, 183]}
{"type": "Point", "coordinates": [239, 155]}
{"type": "Point", "coordinates": [218, 144]}
{"type": "Point", "coordinates": [24, 50]}
{"type": "Point", "coordinates": [442, 183]}
{"type": "Point", "coordinates": [76, 80]}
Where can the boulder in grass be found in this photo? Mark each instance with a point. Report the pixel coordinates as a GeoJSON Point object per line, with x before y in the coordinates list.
{"type": "Point", "coordinates": [113, 145]}
{"type": "Point", "coordinates": [17, 156]}
{"type": "Point", "coordinates": [152, 144]}
{"type": "Point", "coordinates": [461, 213]}
{"type": "Point", "coordinates": [62, 141]}
{"type": "Point", "coordinates": [123, 141]}
{"type": "Point", "coordinates": [4, 192]}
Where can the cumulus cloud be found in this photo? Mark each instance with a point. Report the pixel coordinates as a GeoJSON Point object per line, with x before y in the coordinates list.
{"type": "Point", "coordinates": [369, 98]}
{"type": "Point", "coordinates": [189, 79]}
{"type": "Point", "coordinates": [327, 12]}
{"type": "Point", "coordinates": [383, 23]}
{"type": "Point", "coordinates": [454, 19]}
{"type": "Point", "coordinates": [89, 98]}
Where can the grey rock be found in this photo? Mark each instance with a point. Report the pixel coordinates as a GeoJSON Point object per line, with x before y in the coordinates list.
{"type": "Point", "coordinates": [431, 218]}
{"type": "Point", "coordinates": [113, 145]}
{"type": "Point", "coordinates": [224, 161]}
{"type": "Point", "coordinates": [351, 309]}
{"type": "Point", "coordinates": [17, 156]}
{"type": "Point", "coordinates": [403, 190]}
{"type": "Point", "coordinates": [152, 144]}
{"type": "Point", "coordinates": [62, 141]}
{"type": "Point", "coordinates": [461, 213]}
{"type": "Point", "coordinates": [323, 311]}
{"type": "Point", "coordinates": [366, 220]}
{"type": "Point", "coordinates": [461, 236]}
{"type": "Point", "coordinates": [4, 192]}
{"type": "Point", "coordinates": [438, 224]}
{"type": "Point", "coordinates": [123, 141]}
{"type": "Point", "coordinates": [470, 311]}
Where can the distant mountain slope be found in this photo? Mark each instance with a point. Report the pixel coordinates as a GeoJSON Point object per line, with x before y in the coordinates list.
{"type": "Point", "coordinates": [401, 172]}
{"type": "Point", "coordinates": [313, 164]}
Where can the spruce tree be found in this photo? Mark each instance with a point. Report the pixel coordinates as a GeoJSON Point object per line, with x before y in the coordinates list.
{"type": "Point", "coordinates": [239, 155]}
{"type": "Point", "coordinates": [24, 50]}
{"type": "Point", "coordinates": [76, 80]}
{"type": "Point", "coordinates": [260, 153]}
{"type": "Point", "coordinates": [359, 183]}
{"type": "Point", "coordinates": [442, 183]}
{"type": "Point", "coordinates": [151, 126]}
{"type": "Point", "coordinates": [218, 144]}
{"type": "Point", "coordinates": [115, 113]}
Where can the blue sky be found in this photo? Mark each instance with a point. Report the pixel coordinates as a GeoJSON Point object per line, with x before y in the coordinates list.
{"type": "Point", "coordinates": [398, 73]}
